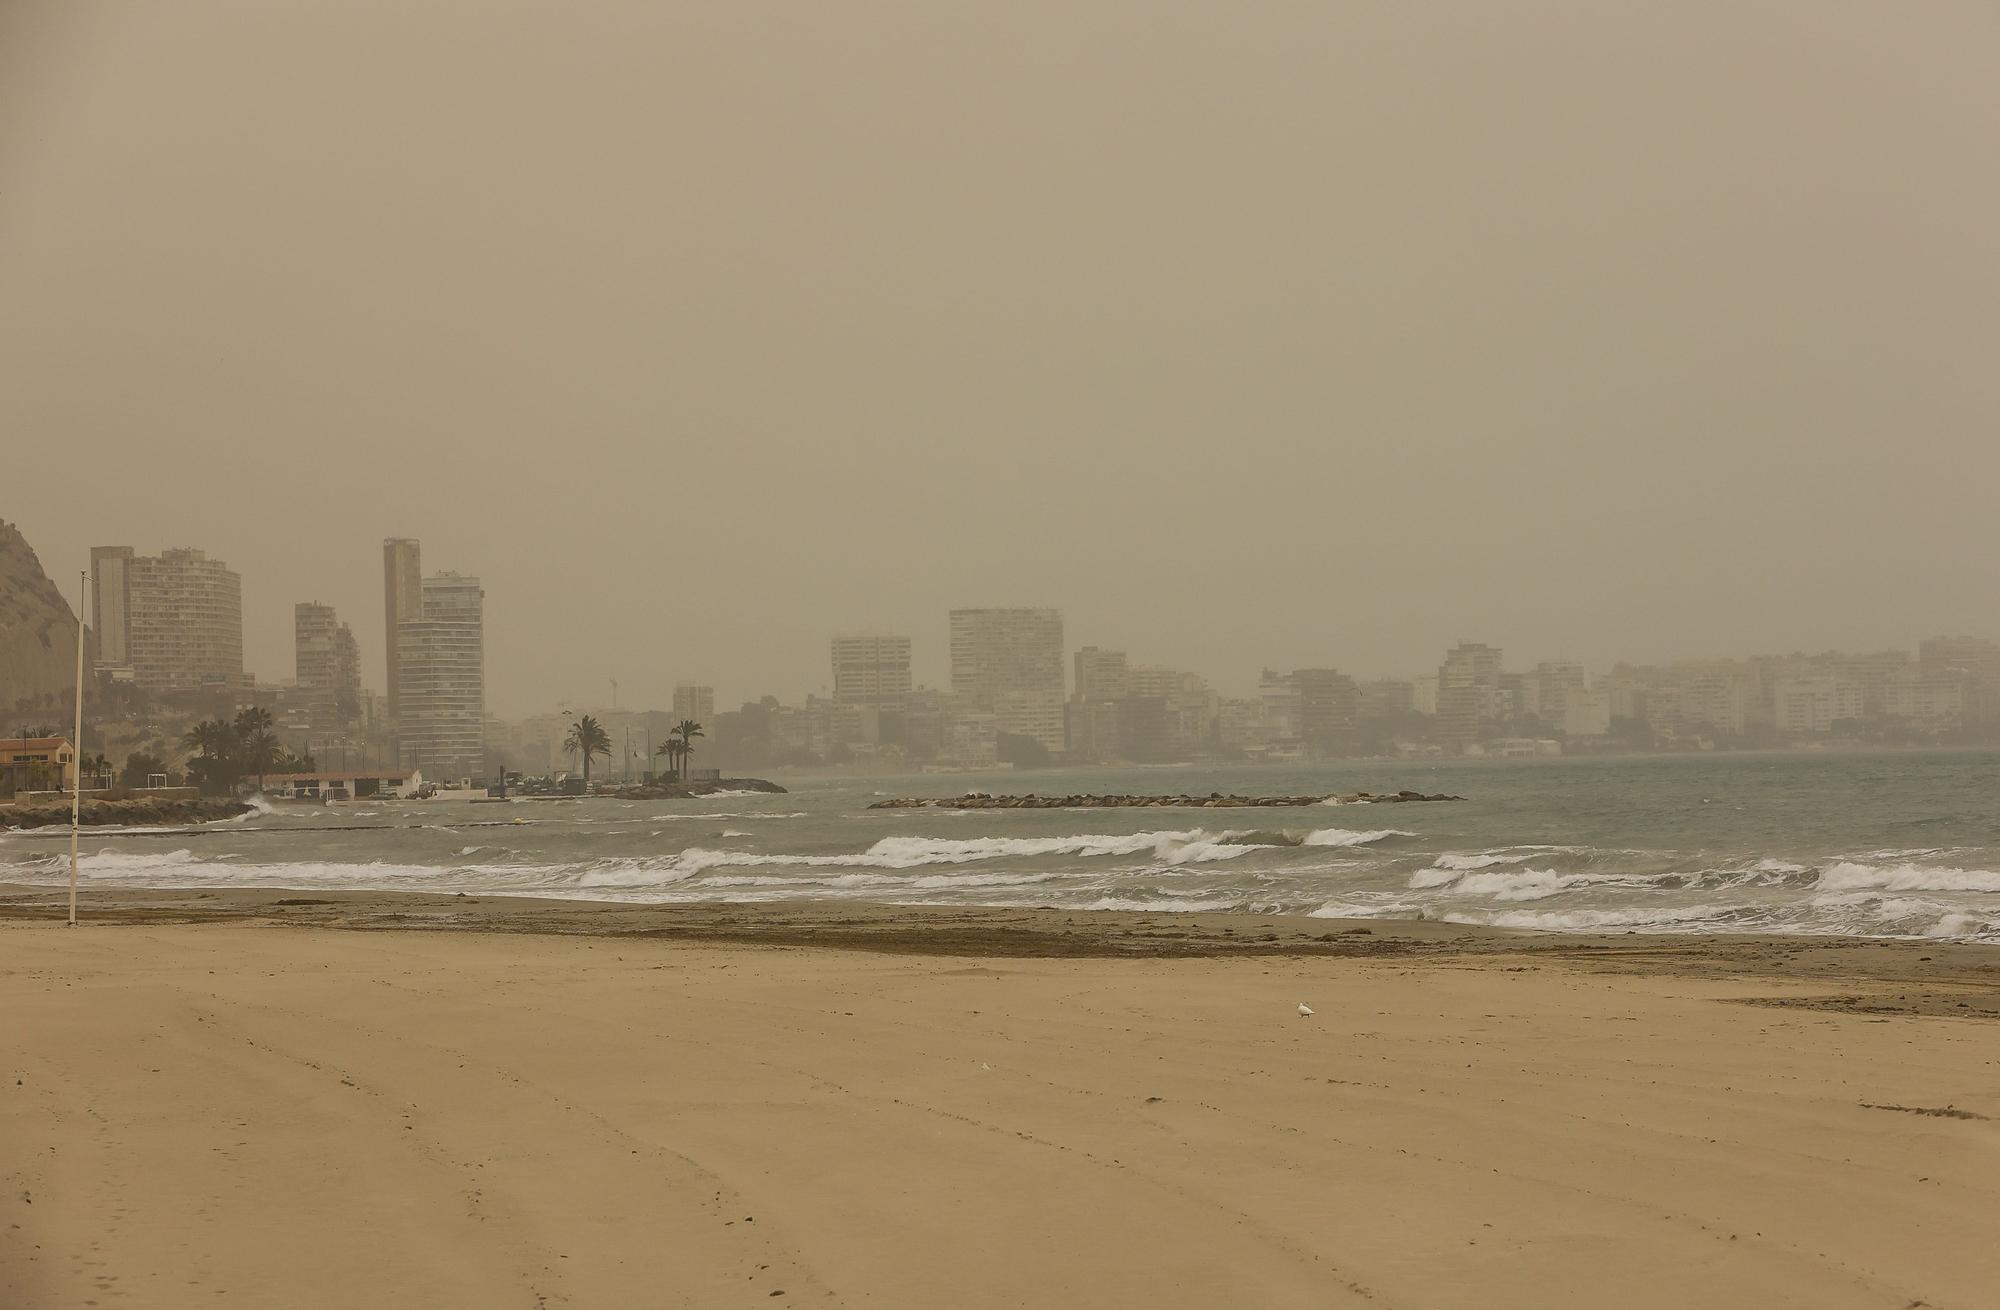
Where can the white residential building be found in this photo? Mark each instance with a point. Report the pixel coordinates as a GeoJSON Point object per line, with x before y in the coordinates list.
{"type": "Point", "coordinates": [1009, 663]}
{"type": "Point", "coordinates": [441, 680]}
{"type": "Point", "coordinates": [872, 670]}
{"type": "Point", "coordinates": [694, 701]}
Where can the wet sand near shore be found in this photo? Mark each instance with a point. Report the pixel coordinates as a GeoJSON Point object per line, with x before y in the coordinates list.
{"type": "Point", "coordinates": [1871, 975]}
{"type": "Point", "coordinates": [251, 1098]}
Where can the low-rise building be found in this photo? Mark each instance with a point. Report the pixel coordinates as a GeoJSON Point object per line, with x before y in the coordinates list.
{"type": "Point", "coordinates": [37, 764]}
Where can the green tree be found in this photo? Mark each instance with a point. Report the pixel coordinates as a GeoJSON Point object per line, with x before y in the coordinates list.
{"type": "Point", "coordinates": [287, 762]}
{"type": "Point", "coordinates": [259, 753]}
{"type": "Point", "coordinates": [687, 730]}
{"type": "Point", "coordinates": [671, 748]}
{"type": "Point", "coordinates": [139, 766]}
{"type": "Point", "coordinates": [214, 743]}
{"type": "Point", "coordinates": [587, 737]}
{"type": "Point", "coordinates": [257, 746]}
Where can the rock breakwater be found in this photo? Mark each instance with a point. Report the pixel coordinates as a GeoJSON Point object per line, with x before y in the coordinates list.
{"type": "Point", "coordinates": [130, 813]}
{"type": "Point", "coordinates": [680, 791]}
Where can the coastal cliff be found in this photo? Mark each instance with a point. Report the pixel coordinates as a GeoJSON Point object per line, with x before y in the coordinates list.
{"type": "Point", "coordinates": [37, 631]}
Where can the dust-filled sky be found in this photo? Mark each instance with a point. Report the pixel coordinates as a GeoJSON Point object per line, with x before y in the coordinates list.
{"type": "Point", "coordinates": [1286, 334]}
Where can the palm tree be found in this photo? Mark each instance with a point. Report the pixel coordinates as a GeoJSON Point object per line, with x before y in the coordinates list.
{"type": "Point", "coordinates": [587, 738]}
{"type": "Point", "coordinates": [687, 730]}
{"type": "Point", "coordinates": [671, 748]}
{"type": "Point", "coordinates": [289, 761]}
{"type": "Point", "coordinates": [214, 743]}
{"type": "Point", "coordinates": [260, 751]}
{"type": "Point", "coordinates": [94, 767]}
{"type": "Point", "coordinates": [256, 745]}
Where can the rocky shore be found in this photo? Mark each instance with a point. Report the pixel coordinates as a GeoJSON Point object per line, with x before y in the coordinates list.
{"type": "Point", "coordinates": [680, 791]}
{"type": "Point", "coordinates": [131, 813]}
{"type": "Point", "coordinates": [1214, 801]}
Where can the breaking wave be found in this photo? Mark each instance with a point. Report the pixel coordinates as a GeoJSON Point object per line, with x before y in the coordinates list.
{"type": "Point", "coordinates": [1946, 892]}
{"type": "Point", "coordinates": [1850, 876]}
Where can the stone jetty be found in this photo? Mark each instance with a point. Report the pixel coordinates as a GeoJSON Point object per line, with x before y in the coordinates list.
{"type": "Point", "coordinates": [1214, 801]}
{"type": "Point", "coordinates": [146, 811]}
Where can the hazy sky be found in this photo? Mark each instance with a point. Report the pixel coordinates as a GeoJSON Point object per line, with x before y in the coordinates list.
{"type": "Point", "coordinates": [1288, 334]}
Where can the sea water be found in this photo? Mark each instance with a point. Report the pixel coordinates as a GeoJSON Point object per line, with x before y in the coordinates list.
{"type": "Point", "coordinates": [1902, 844]}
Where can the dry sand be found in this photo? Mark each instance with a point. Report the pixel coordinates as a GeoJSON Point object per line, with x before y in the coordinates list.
{"type": "Point", "coordinates": [223, 1099]}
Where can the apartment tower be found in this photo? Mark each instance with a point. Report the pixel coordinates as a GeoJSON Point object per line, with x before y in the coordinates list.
{"type": "Point", "coordinates": [111, 604]}
{"type": "Point", "coordinates": [327, 666]}
{"type": "Point", "coordinates": [693, 701]}
{"type": "Point", "coordinates": [1009, 663]}
{"type": "Point", "coordinates": [402, 599]}
{"type": "Point", "coordinates": [440, 672]}
{"type": "Point", "coordinates": [176, 617]}
{"type": "Point", "coordinates": [871, 670]}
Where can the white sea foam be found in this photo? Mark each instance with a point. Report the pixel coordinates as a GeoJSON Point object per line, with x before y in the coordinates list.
{"type": "Point", "coordinates": [1170, 847]}
{"type": "Point", "coordinates": [112, 863]}
{"type": "Point", "coordinates": [1849, 876]}
{"type": "Point", "coordinates": [1367, 910]}
{"type": "Point", "coordinates": [1167, 848]}
{"type": "Point", "coordinates": [1467, 863]}
{"type": "Point", "coordinates": [1348, 837]}
{"type": "Point", "coordinates": [919, 882]}
{"type": "Point", "coordinates": [1647, 919]}
{"type": "Point", "coordinates": [730, 814]}
{"type": "Point", "coordinates": [1190, 906]}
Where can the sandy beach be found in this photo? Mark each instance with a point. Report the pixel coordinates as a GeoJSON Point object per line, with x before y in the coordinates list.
{"type": "Point", "coordinates": [266, 1099]}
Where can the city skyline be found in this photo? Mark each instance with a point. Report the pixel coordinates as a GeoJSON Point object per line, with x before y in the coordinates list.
{"type": "Point", "coordinates": [1651, 378]}
{"type": "Point", "coordinates": [214, 578]}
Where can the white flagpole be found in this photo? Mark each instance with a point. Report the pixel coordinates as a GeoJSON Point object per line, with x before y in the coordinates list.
{"type": "Point", "coordinates": [76, 749]}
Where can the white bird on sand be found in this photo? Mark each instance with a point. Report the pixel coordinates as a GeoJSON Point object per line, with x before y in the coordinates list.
{"type": "Point", "coordinates": [1305, 1011]}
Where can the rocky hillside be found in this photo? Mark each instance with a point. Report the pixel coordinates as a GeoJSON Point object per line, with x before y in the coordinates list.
{"type": "Point", "coordinates": [37, 632]}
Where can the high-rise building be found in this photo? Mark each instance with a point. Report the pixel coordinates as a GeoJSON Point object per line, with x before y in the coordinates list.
{"type": "Point", "coordinates": [1549, 687]}
{"type": "Point", "coordinates": [694, 701]}
{"type": "Point", "coordinates": [1009, 663]}
{"type": "Point", "coordinates": [1808, 705]}
{"type": "Point", "coordinates": [871, 670]}
{"type": "Point", "coordinates": [1468, 695]}
{"type": "Point", "coordinates": [1281, 709]}
{"type": "Point", "coordinates": [1329, 703]}
{"type": "Point", "coordinates": [1102, 674]}
{"type": "Point", "coordinates": [327, 665]}
{"type": "Point", "coordinates": [1586, 712]}
{"type": "Point", "coordinates": [402, 599]}
{"type": "Point", "coordinates": [1978, 659]}
{"type": "Point", "coordinates": [1384, 698]}
{"type": "Point", "coordinates": [177, 616]}
{"type": "Point", "coordinates": [439, 671]}
{"type": "Point", "coordinates": [111, 604]}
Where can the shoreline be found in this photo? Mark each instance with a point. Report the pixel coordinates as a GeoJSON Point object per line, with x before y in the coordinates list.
{"type": "Point", "coordinates": [1943, 978]}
